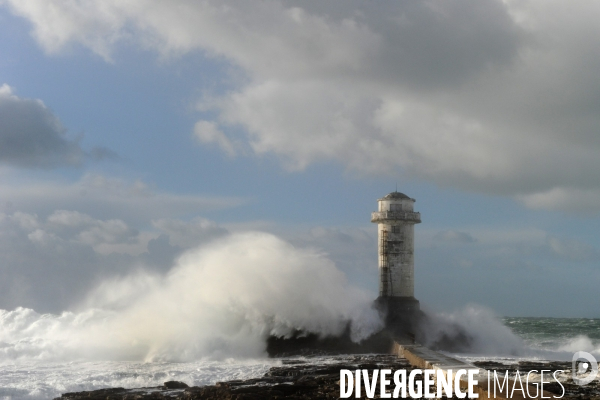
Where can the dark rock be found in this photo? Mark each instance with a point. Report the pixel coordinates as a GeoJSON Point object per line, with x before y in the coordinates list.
{"type": "Point", "coordinates": [305, 380]}
{"type": "Point", "coordinates": [310, 344]}
{"type": "Point", "coordinates": [175, 385]}
{"type": "Point", "coordinates": [101, 394]}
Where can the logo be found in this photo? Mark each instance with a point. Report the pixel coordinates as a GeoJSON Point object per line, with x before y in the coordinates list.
{"type": "Point", "coordinates": [462, 383]}
{"type": "Point", "coordinates": [584, 371]}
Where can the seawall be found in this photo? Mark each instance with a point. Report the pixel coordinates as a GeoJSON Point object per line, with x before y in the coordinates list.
{"type": "Point", "coordinates": [424, 358]}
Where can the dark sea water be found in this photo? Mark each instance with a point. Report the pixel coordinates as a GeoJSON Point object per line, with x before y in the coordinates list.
{"type": "Point", "coordinates": [557, 334]}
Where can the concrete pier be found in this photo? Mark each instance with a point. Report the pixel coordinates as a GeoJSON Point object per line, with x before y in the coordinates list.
{"type": "Point", "coordinates": [424, 358]}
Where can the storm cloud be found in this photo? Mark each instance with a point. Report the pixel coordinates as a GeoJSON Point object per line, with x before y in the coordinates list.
{"type": "Point", "coordinates": [32, 136]}
{"type": "Point", "coordinates": [496, 97]}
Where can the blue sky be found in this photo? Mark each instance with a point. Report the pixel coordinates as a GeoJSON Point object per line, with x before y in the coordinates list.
{"type": "Point", "coordinates": [175, 124]}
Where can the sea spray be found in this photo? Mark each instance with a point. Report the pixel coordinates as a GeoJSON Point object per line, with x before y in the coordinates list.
{"type": "Point", "coordinates": [472, 329]}
{"type": "Point", "coordinates": [220, 300]}
{"type": "Point", "coordinates": [475, 332]}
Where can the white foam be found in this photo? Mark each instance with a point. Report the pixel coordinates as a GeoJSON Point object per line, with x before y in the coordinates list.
{"type": "Point", "coordinates": [37, 380]}
{"type": "Point", "coordinates": [492, 340]}
{"type": "Point", "coordinates": [221, 300]}
{"type": "Point", "coordinates": [580, 343]}
{"type": "Point", "coordinates": [487, 334]}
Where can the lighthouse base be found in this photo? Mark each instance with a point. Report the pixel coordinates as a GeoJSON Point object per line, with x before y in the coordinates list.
{"type": "Point", "coordinates": [401, 314]}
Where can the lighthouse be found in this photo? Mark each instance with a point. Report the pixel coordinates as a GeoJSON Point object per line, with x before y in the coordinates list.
{"type": "Point", "coordinates": [395, 218]}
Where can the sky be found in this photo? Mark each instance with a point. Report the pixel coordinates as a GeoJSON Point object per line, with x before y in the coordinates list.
{"type": "Point", "coordinates": [133, 131]}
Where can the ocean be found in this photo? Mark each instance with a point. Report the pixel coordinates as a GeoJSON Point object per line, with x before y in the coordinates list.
{"type": "Point", "coordinates": [562, 334]}
{"type": "Point", "coordinates": [27, 371]}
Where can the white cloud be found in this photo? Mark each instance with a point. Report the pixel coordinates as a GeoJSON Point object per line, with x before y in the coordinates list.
{"type": "Point", "coordinates": [50, 262]}
{"type": "Point", "coordinates": [43, 238]}
{"type": "Point", "coordinates": [572, 249]}
{"type": "Point", "coordinates": [567, 199]}
{"type": "Point", "coordinates": [92, 231]}
{"type": "Point", "coordinates": [57, 23]}
{"type": "Point", "coordinates": [64, 226]}
{"type": "Point", "coordinates": [454, 237]}
{"type": "Point", "coordinates": [105, 198]}
{"type": "Point", "coordinates": [518, 271]}
{"type": "Point", "coordinates": [187, 234]}
{"type": "Point", "coordinates": [208, 132]}
{"type": "Point", "coordinates": [58, 239]}
{"type": "Point", "coordinates": [47, 267]}
{"type": "Point", "coordinates": [490, 96]}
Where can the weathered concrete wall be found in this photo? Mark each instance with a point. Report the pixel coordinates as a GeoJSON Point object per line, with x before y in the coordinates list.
{"type": "Point", "coordinates": [391, 204]}
{"type": "Point", "coordinates": [400, 257]}
{"type": "Point", "coordinates": [396, 218]}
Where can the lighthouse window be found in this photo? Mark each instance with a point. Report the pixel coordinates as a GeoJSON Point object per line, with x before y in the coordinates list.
{"type": "Point", "coordinates": [395, 229]}
{"type": "Point", "coordinates": [395, 207]}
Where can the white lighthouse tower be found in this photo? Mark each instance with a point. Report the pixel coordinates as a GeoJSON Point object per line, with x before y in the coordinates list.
{"type": "Point", "coordinates": [396, 221]}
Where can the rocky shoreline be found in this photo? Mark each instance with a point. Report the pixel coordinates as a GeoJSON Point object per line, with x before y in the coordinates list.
{"type": "Point", "coordinates": [309, 379]}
